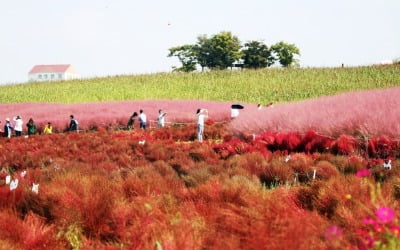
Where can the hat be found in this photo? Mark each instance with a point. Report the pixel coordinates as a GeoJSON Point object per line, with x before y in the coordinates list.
{"type": "Point", "coordinates": [7, 119]}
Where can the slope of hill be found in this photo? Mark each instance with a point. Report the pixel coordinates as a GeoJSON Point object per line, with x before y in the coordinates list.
{"type": "Point", "coordinates": [251, 86]}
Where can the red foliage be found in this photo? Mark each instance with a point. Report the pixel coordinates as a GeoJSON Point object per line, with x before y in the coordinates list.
{"type": "Point", "coordinates": [345, 145]}
{"type": "Point", "coordinates": [106, 190]}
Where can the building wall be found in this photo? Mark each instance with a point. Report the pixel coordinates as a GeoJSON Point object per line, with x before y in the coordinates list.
{"type": "Point", "coordinates": [41, 77]}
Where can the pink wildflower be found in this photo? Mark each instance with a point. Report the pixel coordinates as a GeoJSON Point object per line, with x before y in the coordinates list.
{"type": "Point", "coordinates": [385, 215]}
{"type": "Point", "coordinates": [369, 221]}
{"type": "Point", "coordinates": [363, 173]}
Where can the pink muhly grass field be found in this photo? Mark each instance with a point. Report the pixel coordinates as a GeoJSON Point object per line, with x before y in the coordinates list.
{"type": "Point", "coordinates": [370, 113]}
{"type": "Point", "coordinates": [111, 114]}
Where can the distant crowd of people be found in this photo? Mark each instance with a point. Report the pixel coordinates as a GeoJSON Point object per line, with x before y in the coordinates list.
{"type": "Point", "coordinates": [201, 114]}
{"type": "Point", "coordinates": [142, 117]}
{"type": "Point", "coordinates": [16, 128]}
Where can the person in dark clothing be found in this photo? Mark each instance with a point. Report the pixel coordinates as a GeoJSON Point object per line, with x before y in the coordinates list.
{"type": "Point", "coordinates": [131, 122]}
{"type": "Point", "coordinates": [31, 127]}
{"type": "Point", "coordinates": [73, 124]}
{"type": "Point", "coordinates": [8, 128]}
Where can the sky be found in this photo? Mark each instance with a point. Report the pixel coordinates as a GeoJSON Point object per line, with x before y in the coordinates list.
{"type": "Point", "coordinates": [115, 37]}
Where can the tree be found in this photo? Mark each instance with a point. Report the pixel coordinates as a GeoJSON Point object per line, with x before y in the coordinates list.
{"type": "Point", "coordinates": [285, 53]}
{"type": "Point", "coordinates": [186, 55]}
{"type": "Point", "coordinates": [220, 51]}
{"type": "Point", "coordinates": [256, 54]}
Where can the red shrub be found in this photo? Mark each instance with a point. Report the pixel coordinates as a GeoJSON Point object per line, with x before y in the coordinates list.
{"type": "Point", "coordinates": [345, 145]}
{"type": "Point", "coordinates": [30, 233]}
{"type": "Point", "coordinates": [382, 147]}
{"type": "Point", "coordinates": [325, 170]}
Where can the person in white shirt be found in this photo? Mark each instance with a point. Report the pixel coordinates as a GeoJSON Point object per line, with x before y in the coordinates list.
{"type": "Point", "coordinates": [161, 119]}
{"type": "Point", "coordinates": [142, 119]}
{"type": "Point", "coordinates": [202, 114]}
{"type": "Point", "coordinates": [234, 113]}
{"type": "Point", "coordinates": [18, 125]}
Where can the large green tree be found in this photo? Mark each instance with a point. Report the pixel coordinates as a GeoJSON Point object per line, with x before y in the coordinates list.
{"type": "Point", "coordinates": [256, 54]}
{"type": "Point", "coordinates": [218, 52]}
{"type": "Point", "coordinates": [187, 55]}
{"type": "Point", "coordinates": [285, 53]}
{"type": "Point", "coordinates": [224, 49]}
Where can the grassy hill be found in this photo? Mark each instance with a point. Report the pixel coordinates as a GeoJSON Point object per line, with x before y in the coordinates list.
{"type": "Point", "coordinates": [254, 86]}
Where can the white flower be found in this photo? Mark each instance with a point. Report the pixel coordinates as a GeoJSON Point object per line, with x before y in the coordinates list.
{"type": "Point", "coordinates": [14, 184]}
{"type": "Point", "coordinates": [35, 188]}
{"type": "Point", "coordinates": [387, 165]}
{"type": "Point", "coordinates": [8, 179]}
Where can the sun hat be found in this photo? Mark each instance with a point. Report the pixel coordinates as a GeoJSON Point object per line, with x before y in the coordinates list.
{"type": "Point", "coordinates": [7, 119]}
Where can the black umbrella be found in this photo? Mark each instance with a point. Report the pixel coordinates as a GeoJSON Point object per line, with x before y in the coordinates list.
{"type": "Point", "coordinates": [237, 106]}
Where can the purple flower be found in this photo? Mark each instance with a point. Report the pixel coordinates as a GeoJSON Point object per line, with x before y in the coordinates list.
{"type": "Point", "coordinates": [385, 215]}
{"type": "Point", "coordinates": [333, 232]}
{"type": "Point", "coordinates": [363, 173]}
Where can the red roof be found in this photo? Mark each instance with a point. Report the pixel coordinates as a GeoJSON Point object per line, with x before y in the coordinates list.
{"type": "Point", "coordinates": [60, 68]}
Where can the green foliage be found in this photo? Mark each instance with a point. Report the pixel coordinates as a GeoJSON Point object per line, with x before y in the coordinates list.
{"type": "Point", "coordinates": [252, 86]}
{"type": "Point", "coordinates": [257, 55]}
{"type": "Point", "coordinates": [186, 55]}
{"type": "Point", "coordinates": [218, 52]}
{"type": "Point", "coordinates": [285, 53]}
{"type": "Point", "coordinates": [74, 235]}
{"type": "Point", "coordinates": [222, 50]}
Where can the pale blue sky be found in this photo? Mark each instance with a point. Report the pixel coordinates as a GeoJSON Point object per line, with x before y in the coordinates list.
{"type": "Point", "coordinates": [110, 37]}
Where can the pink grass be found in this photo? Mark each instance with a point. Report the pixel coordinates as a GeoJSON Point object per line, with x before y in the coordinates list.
{"type": "Point", "coordinates": [371, 113]}
{"type": "Point", "coordinates": [111, 114]}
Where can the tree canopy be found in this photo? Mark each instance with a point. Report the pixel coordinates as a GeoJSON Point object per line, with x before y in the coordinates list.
{"type": "Point", "coordinates": [256, 54]}
{"type": "Point", "coordinates": [186, 55]}
{"type": "Point", "coordinates": [223, 50]}
{"type": "Point", "coordinates": [220, 51]}
{"type": "Point", "coordinates": [285, 53]}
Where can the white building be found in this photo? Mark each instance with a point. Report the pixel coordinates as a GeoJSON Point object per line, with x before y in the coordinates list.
{"type": "Point", "coordinates": [52, 72]}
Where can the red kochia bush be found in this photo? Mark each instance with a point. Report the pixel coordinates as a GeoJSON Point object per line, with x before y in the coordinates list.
{"type": "Point", "coordinates": [106, 190]}
{"type": "Point", "coordinates": [30, 233]}
{"type": "Point", "coordinates": [312, 142]}
{"type": "Point", "coordinates": [382, 147]}
{"type": "Point", "coordinates": [84, 200]}
{"type": "Point", "coordinates": [345, 145]}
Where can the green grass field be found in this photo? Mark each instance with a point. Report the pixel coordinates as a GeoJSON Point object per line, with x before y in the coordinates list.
{"type": "Point", "coordinates": [253, 86]}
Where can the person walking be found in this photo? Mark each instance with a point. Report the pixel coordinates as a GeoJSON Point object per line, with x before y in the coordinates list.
{"type": "Point", "coordinates": [73, 124]}
{"type": "Point", "coordinates": [131, 121]}
{"type": "Point", "coordinates": [142, 119]}
{"type": "Point", "coordinates": [202, 114]}
{"type": "Point", "coordinates": [18, 125]}
{"type": "Point", "coordinates": [7, 128]}
{"type": "Point", "coordinates": [161, 119]}
{"type": "Point", "coordinates": [48, 129]}
{"type": "Point", "coordinates": [31, 127]}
